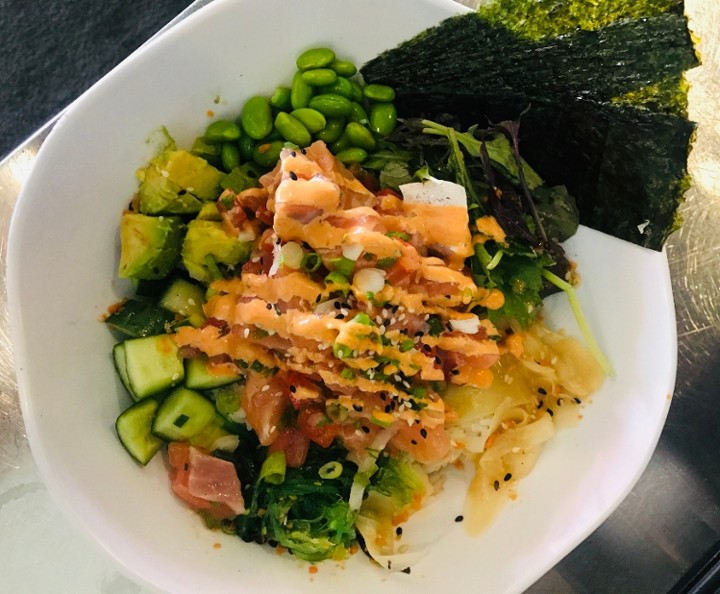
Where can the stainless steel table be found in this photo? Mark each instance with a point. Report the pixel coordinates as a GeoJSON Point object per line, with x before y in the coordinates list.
{"type": "Point", "coordinates": [664, 536]}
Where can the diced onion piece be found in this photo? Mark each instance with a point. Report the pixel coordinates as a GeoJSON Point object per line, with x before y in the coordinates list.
{"type": "Point", "coordinates": [434, 191]}
{"type": "Point", "coordinates": [276, 259]}
{"type": "Point", "coordinates": [226, 443]}
{"type": "Point", "coordinates": [369, 280]}
{"type": "Point", "coordinates": [352, 250]}
{"type": "Point", "coordinates": [291, 255]}
{"type": "Point", "coordinates": [469, 325]}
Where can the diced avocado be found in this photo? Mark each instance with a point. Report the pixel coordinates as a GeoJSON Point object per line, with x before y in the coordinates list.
{"type": "Point", "coordinates": [150, 246]}
{"type": "Point", "coordinates": [206, 245]}
{"type": "Point", "coordinates": [193, 174]}
{"type": "Point", "coordinates": [159, 195]}
{"type": "Point", "coordinates": [209, 212]}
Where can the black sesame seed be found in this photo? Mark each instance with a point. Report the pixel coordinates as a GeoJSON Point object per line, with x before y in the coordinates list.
{"type": "Point", "coordinates": [427, 348]}
{"type": "Point", "coordinates": [293, 153]}
{"type": "Point", "coordinates": [542, 391]}
{"type": "Point", "coordinates": [455, 372]}
{"type": "Point", "coordinates": [413, 441]}
{"type": "Point", "coordinates": [507, 477]}
{"type": "Point", "coordinates": [577, 400]}
{"type": "Point", "coordinates": [398, 530]}
{"type": "Point", "coordinates": [365, 429]}
{"type": "Point", "coordinates": [293, 175]}
{"type": "Point", "coordinates": [496, 485]}
{"type": "Point", "coordinates": [419, 333]}
{"type": "Point", "coordinates": [550, 411]}
{"type": "Point", "coordinates": [459, 518]}
{"type": "Point", "coordinates": [293, 389]}
{"type": "Point", "coordinates": [337, 305]}
{"type": "Point", "coordinates": [559, 401]}
{"type": "Point", "coordinates": [395, 308]}
{"type": "Point", "coordinates": [339, 317]}
{"type": "Point", "coordinates": [438, 361]}
{"type": "Point", "coordinates": [406, 570]}
{"type": "Point", "coordinates": [357, 408]}
{"type": "Point", "coordinates": [386, 323]}
{"type": "Point", "coordinates": [540, 404]}
{"type": "Point", "coordinates": [423, 433]}
{"type": "Point", "coordinates": [303, 151]}
{"type": "Point", "coordinates": [268, 306]}
{"type": "Point", "coordinates": [318, 299]}
{"type": "Point", "coordinates": [388, 408]}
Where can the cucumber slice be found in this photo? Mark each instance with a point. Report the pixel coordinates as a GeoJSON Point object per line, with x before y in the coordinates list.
{"type": "Point", "coordinates": [153, 364]}
{"type": "Point", "coordinates": [200, 376]}
{"type": "Point", "coordinates": [139, 318]}
{"type": "Point", "coordinates": [121, 367]}
{"type": "Point", "coordinates": [134, 428]}
{"type": "Point", "coordinates": [182, 415]}
{"type": "Point", "coordinates": [185, 299]}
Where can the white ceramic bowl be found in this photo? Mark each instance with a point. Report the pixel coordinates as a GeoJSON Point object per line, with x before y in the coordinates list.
{"type": "Point", "coordinates": [63, 255]}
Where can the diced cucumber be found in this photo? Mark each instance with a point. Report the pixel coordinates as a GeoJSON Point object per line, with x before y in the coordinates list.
{"type": "Point", "coordinates": [182, 415]}
{"type": "Point", "coordinates": [153, 364]}
{"type": "Point", "coordinates": [199, 375]}
{"type": "Point", "coordinates": [139, 318]}
{"type": "Point", "coordinates": [121, 367]}
{"type": "Point", "coordinates": [134, 428]}
{"type": "Point", "coordinates": [185, 299]}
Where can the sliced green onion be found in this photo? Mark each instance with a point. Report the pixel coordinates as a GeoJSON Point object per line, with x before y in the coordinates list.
{"type": "Point", "coordinates": [341, 351]}
{"type": "Point", "coordinates": [581, 320]}
{"type": "Point", "coordinates": [347, 374]}
{"type": "Point", "coordinates": [311, 262]}
{"type": "Point", "coordinates": [406, 345]}
{"type": "Point", "coordinates": [331, 470]}
{"type": "Point", "coordinates": [363, 318]}
{"type": "Point", "coordinates": [335, 278]}
{"type": "Point", "coordinates": [495, 260]}
{"type": "Point", "coordinates": [385, 263]}
{"type": "Point", "coordinates": [273, 469]}
{"type": "Point", "coordinates": [344, 266]}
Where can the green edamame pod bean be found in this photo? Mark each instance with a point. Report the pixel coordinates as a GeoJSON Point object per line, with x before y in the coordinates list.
{"type": "Point", "coordinates": [341, 86]}
{"type": "Point", "coordinates": [246, 146]}
{"type": "Point", "coordinates": [343, 67]}
{"type": "Point", "coordinates": [357, 91]}
{"type": "Point", "coordinates": [331, 105]}
{"type": "Point", "coordinates": [316, 57]}
{"type": "Point", "coordinates": [360, 136]}
{"type": "Point", "coordinates": [351, 155]}
{"type": "Point", "coordinates": [300, 92]}
{"type": "Point", "coordinates": [333, 129]}
{"type": "Point", "coordinates": [292, 129]}
{"type": "Point", "coordinates": [312, 119]}
{"type": "Point", "coordinates": [383, 118]}
{"type": "Point", "coordinates": [256, 117]}
{"type": "Point", "coordinates": [222, 131]}
{"type": "Point", "coordinates": [266, 154]}
{"type": "Point", "coordinates": [319, 77]}
{"type": "Point", "coordinates": [379, 93]}
{"type": "Point", "coordinates": [340, 144]}
{"type": "Point", "coordinates": [358, 113]}
{"type": "Point", "coordinates": [229, 155]}
{"type": "Point", "coordinates": [281, 99]}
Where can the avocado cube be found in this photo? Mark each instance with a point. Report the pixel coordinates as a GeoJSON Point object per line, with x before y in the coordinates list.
{"type": "Point", "coordinates": [193, 174]}
{"type": "Point", "coordinates": [160, 196]}
{"type": "Point", "coordinates": [149, 246]}
{"type": "Point", "coordinates": [207, 244]}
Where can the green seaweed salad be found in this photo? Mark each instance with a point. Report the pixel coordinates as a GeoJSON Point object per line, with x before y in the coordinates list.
{"type": "Point", "coordinates": [592, 94]}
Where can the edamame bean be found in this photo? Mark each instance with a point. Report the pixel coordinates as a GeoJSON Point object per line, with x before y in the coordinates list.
{"type": "Point", "coordinates": [340, 144]}
{"type": "Point", "coordinates": [357, 91]}
{"type": "Point", "coordinates": [256, 117]}
{"type": "Point", "coordinates": [316, 57]}
{"type": "Point", "coordinates": [300, 92]}
{"type": "Point", "coordinates": [281, 99]}
{"type": "Point", "coordinates": [351, 155]}
{"type": "Point", "coordinates": [360, 136]}
{"type": "Point", "coordinates": [266, 154]}
{"type": "Point", "coordinates": [358, 113]}
{"type": "Point", "coordinates": [292, 129]}
{"type": "Point", "coordinates": [246, 146]}
{"type": "Point", "coordinates": [334, 127]}
{"type": "Point", "coordinates": [343, 67]}
{"type": "Point", "coordinates": [341, 86]}
{"type": "Point", "coordinates": [319, 77]}
{"type": "Point", "coordinates": [383, 118]}
{"type": "Point", "coordinates": [222, 131]}
{"type": "Point", "coordinates": [312, 119]}
{"type": "Point", "coordinates": [229, 155]}
{"type": "Point", "coordinates": [379, 93]}
{"type": "Point", "coordinates": [331, 105]}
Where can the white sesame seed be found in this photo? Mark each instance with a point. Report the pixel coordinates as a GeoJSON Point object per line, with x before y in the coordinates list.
{"type": "Point", "coordinates": [246, 332]}
{"type": "Point", "coordinates": [265, 388]}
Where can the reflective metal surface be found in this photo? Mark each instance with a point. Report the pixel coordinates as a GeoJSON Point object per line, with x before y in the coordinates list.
{"type": "Point", "coordinates": [670, 520]}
